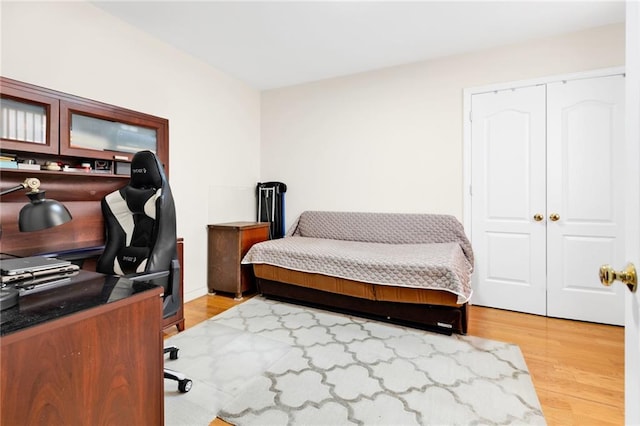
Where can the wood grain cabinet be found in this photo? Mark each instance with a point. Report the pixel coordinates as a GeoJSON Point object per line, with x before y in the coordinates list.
{"type": "Point", "coordinates": [29, 118]}
{"type": "Point", "coordinates": [228, 243]}
{"type": "Point", "coordinates": [99, 365]}
{"type": "Point", "coordinates": [73, 129]}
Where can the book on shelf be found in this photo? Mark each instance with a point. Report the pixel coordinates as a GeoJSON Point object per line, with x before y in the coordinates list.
{"type": "Point", "coordinates": [75, 169]}
{"type": "Point", "coordinates": [7, 157]}
{"type": "Point", "coordinates": [26, 166]}
{"type": "Point", "coordinates": [5, 164]}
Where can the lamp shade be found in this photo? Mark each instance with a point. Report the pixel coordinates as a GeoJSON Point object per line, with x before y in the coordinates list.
{"type": "Point", "coordinates": [41, 213]}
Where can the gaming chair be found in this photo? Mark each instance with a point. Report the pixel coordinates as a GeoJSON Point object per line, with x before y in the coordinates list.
{"type": "Point", "coordinates": [140, 240]}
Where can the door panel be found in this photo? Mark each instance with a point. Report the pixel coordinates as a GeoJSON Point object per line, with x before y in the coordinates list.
{"type": "Point", "coordinates": [501, 245]}
{"type": "Point", "coordinates": [579, 250]}
{"type": "Point", "coordinates": [508, 188]}
{"type": "Point", "coordinates": [587, 166]}
{"type": "Point", "coordinates": [507, 138]}
{"type": "Point", "coordinates": [585, 143]}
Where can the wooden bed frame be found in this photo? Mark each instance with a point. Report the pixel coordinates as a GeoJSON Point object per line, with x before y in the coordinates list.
{"type": "Point", "coordinates": [434, 310]}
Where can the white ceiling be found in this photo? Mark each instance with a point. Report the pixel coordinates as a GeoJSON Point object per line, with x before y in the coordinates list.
{"type": "Point", "coordinates": [272, 44]}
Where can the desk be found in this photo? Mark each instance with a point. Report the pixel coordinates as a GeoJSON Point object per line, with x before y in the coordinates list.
{"type": "Point", "coordinates": [86, 353]}
{"type": "Point", "coordinates": [86, 257]}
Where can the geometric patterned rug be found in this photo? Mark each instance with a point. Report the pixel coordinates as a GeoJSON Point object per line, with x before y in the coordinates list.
{"type": "Point", "coordinates": [266, 362]}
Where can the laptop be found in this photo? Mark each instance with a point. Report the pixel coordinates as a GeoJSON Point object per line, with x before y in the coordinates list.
{"type": "Point", "coordinates": [25, 265]}
{"type": "Point", "coordinates": [28, 276]}
{"type": "Point", "coordinates": [46, 282]}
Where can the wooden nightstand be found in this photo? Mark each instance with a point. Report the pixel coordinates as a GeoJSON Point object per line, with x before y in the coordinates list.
{"type": "Point", "coordinates": [228, 243]}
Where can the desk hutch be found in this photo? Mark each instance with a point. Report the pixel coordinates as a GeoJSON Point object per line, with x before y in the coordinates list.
{"type": "Point", "coordinates": [94, 140]}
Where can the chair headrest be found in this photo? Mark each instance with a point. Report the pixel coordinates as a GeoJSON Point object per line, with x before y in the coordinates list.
{"type": "Point", "coordinates": [146, 171]}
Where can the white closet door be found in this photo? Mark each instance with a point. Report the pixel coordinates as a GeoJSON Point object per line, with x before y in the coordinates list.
{"type": "Point", "coordinates": [508, 189]}
{"type": "Point", "coordinates": [585, 159]}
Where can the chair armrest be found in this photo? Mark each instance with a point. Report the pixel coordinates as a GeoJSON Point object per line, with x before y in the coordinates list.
{"type": "Point", "coordinates": [147, 276]}
{"type": "Point", "coordinates": [171, 285]}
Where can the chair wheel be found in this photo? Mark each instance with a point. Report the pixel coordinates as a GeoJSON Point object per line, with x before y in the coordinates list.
{"type": "Point", "coordinates": [184, 385]}
{"type": "Point", "coordinates": [173, 354]}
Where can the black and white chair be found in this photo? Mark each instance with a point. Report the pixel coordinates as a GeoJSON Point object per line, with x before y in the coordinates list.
{"type": "Point", "coordinates": [140, 241]}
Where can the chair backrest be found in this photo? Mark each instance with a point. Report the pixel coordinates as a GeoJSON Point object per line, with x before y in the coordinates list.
{"type": "Point", "coordinates": [140, 222]}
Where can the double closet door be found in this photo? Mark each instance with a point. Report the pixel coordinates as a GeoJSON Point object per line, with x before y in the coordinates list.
{"type": "Point", "coordinates": [547, 208]}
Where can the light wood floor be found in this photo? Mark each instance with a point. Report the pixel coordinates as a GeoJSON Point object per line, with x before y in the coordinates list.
{"type": "Point", "coordinates": [577, 368]}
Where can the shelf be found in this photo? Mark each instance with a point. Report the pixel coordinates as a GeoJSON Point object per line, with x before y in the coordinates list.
{"type": "Point", "coordinates": [62, 173]}
{"type": "Point", "coordinates": [37, 120]}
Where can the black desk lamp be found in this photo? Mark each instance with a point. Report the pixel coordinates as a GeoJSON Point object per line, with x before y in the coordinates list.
{"type": "Point", "coordinates": [40, 213]}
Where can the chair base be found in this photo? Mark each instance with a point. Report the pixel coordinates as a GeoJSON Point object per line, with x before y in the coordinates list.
{"type": "Point", "coordinates": [184, 384]}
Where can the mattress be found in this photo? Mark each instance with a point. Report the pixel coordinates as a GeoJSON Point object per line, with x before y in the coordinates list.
{"type": "Point", "coordinates": [433, 266]}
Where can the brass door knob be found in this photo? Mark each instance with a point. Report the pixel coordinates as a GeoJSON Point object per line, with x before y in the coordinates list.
{"type": "Point", "coordinates": [538, 217]}
{"type": "Point", "coordinates": [629, 277]}
{"type": "Point", "coordinates": [554, 217]}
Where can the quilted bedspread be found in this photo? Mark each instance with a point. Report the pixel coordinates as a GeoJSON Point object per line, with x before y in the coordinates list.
{"type": "Point", "coordinates": [418, 251]}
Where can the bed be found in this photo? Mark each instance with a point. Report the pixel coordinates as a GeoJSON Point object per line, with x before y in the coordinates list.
{"type": "Point", "coordinates": [413, 269]}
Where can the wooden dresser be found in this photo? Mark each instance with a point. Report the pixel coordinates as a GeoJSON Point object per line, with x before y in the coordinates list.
{"type": "Point", "coordinates": [228, 243]}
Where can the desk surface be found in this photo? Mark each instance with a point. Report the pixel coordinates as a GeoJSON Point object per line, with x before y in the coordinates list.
{"type": "Point", "coordinates": [87, 290]}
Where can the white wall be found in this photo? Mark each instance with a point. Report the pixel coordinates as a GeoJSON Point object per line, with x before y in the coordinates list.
{"type": "Point", "coordinates": [391, 140]}
{"type": "Point", "coordinates": [214, 120]}
{"type": "Point", "coordinates": [388, 140]}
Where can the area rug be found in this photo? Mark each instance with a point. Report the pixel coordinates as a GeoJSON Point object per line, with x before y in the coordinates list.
{"type": "Point", "coordinates": [267, 362]}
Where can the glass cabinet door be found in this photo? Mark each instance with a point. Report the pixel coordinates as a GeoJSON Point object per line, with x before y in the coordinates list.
{"type": "Point", "coordinates": [104, 133]}
{"type": "Point", "coordinates": [28, 120]}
